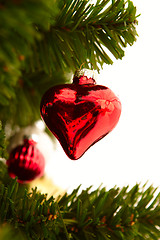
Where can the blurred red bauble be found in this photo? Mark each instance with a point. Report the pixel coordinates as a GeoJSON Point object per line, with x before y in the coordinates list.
{"type": "Point", "coordinates": [81, 113]}
{"type": "Point", "coordinates": [26, 162]}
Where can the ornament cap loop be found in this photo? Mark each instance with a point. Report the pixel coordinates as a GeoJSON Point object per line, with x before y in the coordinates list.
{"type": "Point", "coordinates": [31, 139]}
{"type": "Point", "coordinates": [85, 76]}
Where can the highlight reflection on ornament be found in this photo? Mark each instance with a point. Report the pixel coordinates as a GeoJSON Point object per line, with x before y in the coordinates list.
{"type": "Point", "coordinates": [80, 114]}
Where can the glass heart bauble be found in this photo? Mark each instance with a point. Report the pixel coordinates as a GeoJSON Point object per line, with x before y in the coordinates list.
{"type": "Point", "coordinates": [80, 114]}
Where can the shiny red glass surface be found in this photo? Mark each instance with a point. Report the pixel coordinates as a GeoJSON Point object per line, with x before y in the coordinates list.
{"type": "Point", "coordinates": [26, 162]}
{"type": "Point", "coordinates": [80, 114]}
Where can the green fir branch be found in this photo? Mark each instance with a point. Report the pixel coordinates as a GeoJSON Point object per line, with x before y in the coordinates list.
{"type": "Point", "coordinates": [18, 32]}
{"type": "Point", "coordinates": [24, 109]}
{"type": "Point", "coordinates": [100, 214]}
{"type": "Point", "coordinates": [42, 40]}
{"type": "Point", "coordinates": [3, 143]}
{"type": "Point", "coordinates": [64, 36]}
{"type": "Point", "coordinates": [82, 31]}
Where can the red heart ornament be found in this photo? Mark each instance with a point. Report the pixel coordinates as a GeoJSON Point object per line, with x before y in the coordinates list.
{"type": "Point", "coordinates": [80, 114]}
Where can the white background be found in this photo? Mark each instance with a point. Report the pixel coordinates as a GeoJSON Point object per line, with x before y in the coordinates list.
{"type": "Point", "coordinates": [130, 154]}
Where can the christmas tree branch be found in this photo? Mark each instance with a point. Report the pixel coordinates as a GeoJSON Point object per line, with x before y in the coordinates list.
{"type": "Point", "coordinates": [3, 143]}
{"type": "Point", "coordinates": [18, 32]}
{"type": "Point", "coordinates": [40, 41]}
{"type": "Point", "coordinates": [114, 214]}
{"type": "Point", "coordinates": [83, 31]}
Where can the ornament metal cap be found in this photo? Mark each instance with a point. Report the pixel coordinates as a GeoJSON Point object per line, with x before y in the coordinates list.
{"type": "Point", "coordinates": [86, 72]}
{"type": "Point", "coordinates": [32, 139]}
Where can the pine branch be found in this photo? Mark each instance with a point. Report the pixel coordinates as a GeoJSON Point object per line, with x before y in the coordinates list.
{"type": "Point", "coordinates": [83, 31]}
{"type": "Point", "coordinates": [7, 232]}
{"type": "Point", "coordinates": [18, 32]}
{"type": "Point", "coordinates": [40, 41]}
{"type": "Point", "coordinates": [114, 214]}
{"type": "Point", "coordinates": [66, 38]}
{"type": "Point", "coordinates": [23, 110]}
{"type": "Point", "coordinates": [3, 143]}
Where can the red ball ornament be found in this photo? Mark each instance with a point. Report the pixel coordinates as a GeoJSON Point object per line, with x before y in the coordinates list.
{"type": "Point", "coordinates": [81, 113]}
{"type": "Point", "coordinates": [26, 162]}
